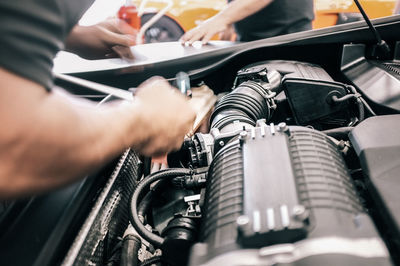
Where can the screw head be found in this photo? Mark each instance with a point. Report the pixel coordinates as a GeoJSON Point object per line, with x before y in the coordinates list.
{"type": "Point", "coordinates": [282, 126]}
{"type": "Point", "coordinates": [221, 143]}
{"type": "Point", "coordinates": [243, 134]}
{"type": "Point", "coordinates": [242, 220]}
{"type": "Point", "coordinates": [243, 223]}
{"type": "Point", "coordinates": [242, 137]}
{"type": "Point", "coordinates": [300, 212]}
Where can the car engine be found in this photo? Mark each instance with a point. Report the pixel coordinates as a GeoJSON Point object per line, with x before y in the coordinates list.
{"type": "Point", "coordinates": [289, 173]}
{"type": "Point", "coordinates": [296, 163]}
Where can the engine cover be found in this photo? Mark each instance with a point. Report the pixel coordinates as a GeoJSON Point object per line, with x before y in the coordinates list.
{"type": "Point", "coordinates": [283, 191]}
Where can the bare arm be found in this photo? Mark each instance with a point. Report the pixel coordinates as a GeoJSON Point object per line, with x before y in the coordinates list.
{"type": "Point", "coordinates": [49, 139]}
{"type": "Point", "coordinates": [233, 12]}
{"type": "Point", "coordinates": [397, 8]}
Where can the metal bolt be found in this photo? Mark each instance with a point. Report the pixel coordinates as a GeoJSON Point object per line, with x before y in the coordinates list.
{"type": "Point", "coordinates": [300, 213]}
{"type": "Point", "coordinates": [282, 127]}
{"type": "Point", "coordinates": [221, 143]}
{"type": "Point", "coordinates": [242, 137]}
{"type": "Point", "coordinates": [243, 134]}
{"type": "Point", "coordinates": [242, 222]}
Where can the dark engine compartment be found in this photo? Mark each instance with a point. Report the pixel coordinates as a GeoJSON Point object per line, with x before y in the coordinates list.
{"type": "Point", "coordinates": [299, 166]}
{"type": "Point", "coordinates": [264, 192]}
{"type": "Point", "coordinates": [286, 175]}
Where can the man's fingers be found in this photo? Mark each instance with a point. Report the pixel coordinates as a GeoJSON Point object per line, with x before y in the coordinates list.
{"type": "Point", "coordinates": [113, 38]}
{"type": "Point", "coordinates": [187, 36]}
{"type": "Point", "coordinates": [207, 37]}
{"type": "Point", "coordinates": [193, 35]}
{"type": "Point", "coordinates": [198, 36]}
{"type": "Point", "coordinates": [123, 52]}
{"type": "Point", "coordinates": [171, 116]}
{"type": "Point", "coordinates": [110, 24]}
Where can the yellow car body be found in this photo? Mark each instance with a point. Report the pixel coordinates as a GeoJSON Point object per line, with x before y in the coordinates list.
{"type": "Point", "coordinates": [327, 11]}
{"type": "Point", "coordinates": [187, 14]}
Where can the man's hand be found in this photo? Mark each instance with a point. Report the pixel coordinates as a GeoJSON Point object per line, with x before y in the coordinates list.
{"type": "Point", "coordinates": [60, 138]}
{"type": "Point", "coordinates": [233, 12]}
{"type": "Point", "coordinates": [206, 30]}
{"type": "Point", "coordinates": [165, 118]}
{"type": "Point", "coordinates": [110, 38]}
{"type": "Point", "coordinates": [228, 35]}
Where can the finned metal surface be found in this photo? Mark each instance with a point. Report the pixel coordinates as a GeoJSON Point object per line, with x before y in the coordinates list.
{"type": "Point", "coordinates": [81, 237]}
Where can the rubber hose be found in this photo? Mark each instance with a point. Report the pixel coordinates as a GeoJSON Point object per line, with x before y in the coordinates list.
{"type": "Point", "coordinates": [368, 107]}
{"type": "Point", "coordinates": [247, 101]}
{"type": "Point", "coordinates": [140, 189]}
{"type": "Point", "coordinates": [338, 133]}
{"type": "Point", "coordinates": [145, 203]}
{"type": "Point", "coordinates": [344, 98]}
{"type": "Point", "coordinates": [361, 113]}
{"type": "Point", "coordinates": [227, 117]}
{"type": "Point", "coordinates": [130, 249]}
{"type": "Point", "coordinates": [151, 261]}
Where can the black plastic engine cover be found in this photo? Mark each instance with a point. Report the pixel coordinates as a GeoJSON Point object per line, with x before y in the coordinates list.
{"type": "Point", "coordinates": [309, 99]}
{"type": "Point", "coordinates": [284, 192]}
{"type": "Point", "coordinates": [377, 143]}
{"type": "Point", "coordinates": [308, 88]}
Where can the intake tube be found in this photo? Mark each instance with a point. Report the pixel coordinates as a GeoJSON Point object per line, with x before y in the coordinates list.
{"type": "Point", "coordinates": [245, 105]}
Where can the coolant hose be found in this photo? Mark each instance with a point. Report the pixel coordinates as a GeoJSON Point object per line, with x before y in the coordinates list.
{"type": "Point", "coordinates": [145, 203]}
{"type": "Point", "coordinates": [130, 249]}
{"type": "Point", "coordinates": [140, 190]}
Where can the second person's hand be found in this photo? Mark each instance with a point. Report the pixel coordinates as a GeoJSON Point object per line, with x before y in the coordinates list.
{"type": "Point", "coordinates": [205, 31]}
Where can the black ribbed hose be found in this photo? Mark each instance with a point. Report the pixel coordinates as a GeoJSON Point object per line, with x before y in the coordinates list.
{"type": "Point", "coordinates": [142, 187]}
{"type": "Point", "coordinates": [246, 103]}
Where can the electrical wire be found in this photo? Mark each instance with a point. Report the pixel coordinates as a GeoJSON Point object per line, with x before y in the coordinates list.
{"type": "Point", "coordinates": [338, 133]}
{"type": "Point", "coordinates": [369, 109]}
{"type": "Point", "coordinates": [356, 96]}
{"type": "Point", "coordinates": [344, 98]}
{"type": "Point", "coordinates": [363, 101]}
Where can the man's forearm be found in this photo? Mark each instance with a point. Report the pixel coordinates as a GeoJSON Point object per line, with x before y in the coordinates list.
{"type": "Point", "coordinates": [51, 139]}
{"type": "Point", "coordinates": [49, 142]}
{"type": "Point", "coordinates": [240, 9]}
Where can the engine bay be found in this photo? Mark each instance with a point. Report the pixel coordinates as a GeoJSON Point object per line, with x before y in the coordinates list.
{"type": "Point", "coordinates": [285, 175]}
{"type": "Point", "coordinates": [297, 164]}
